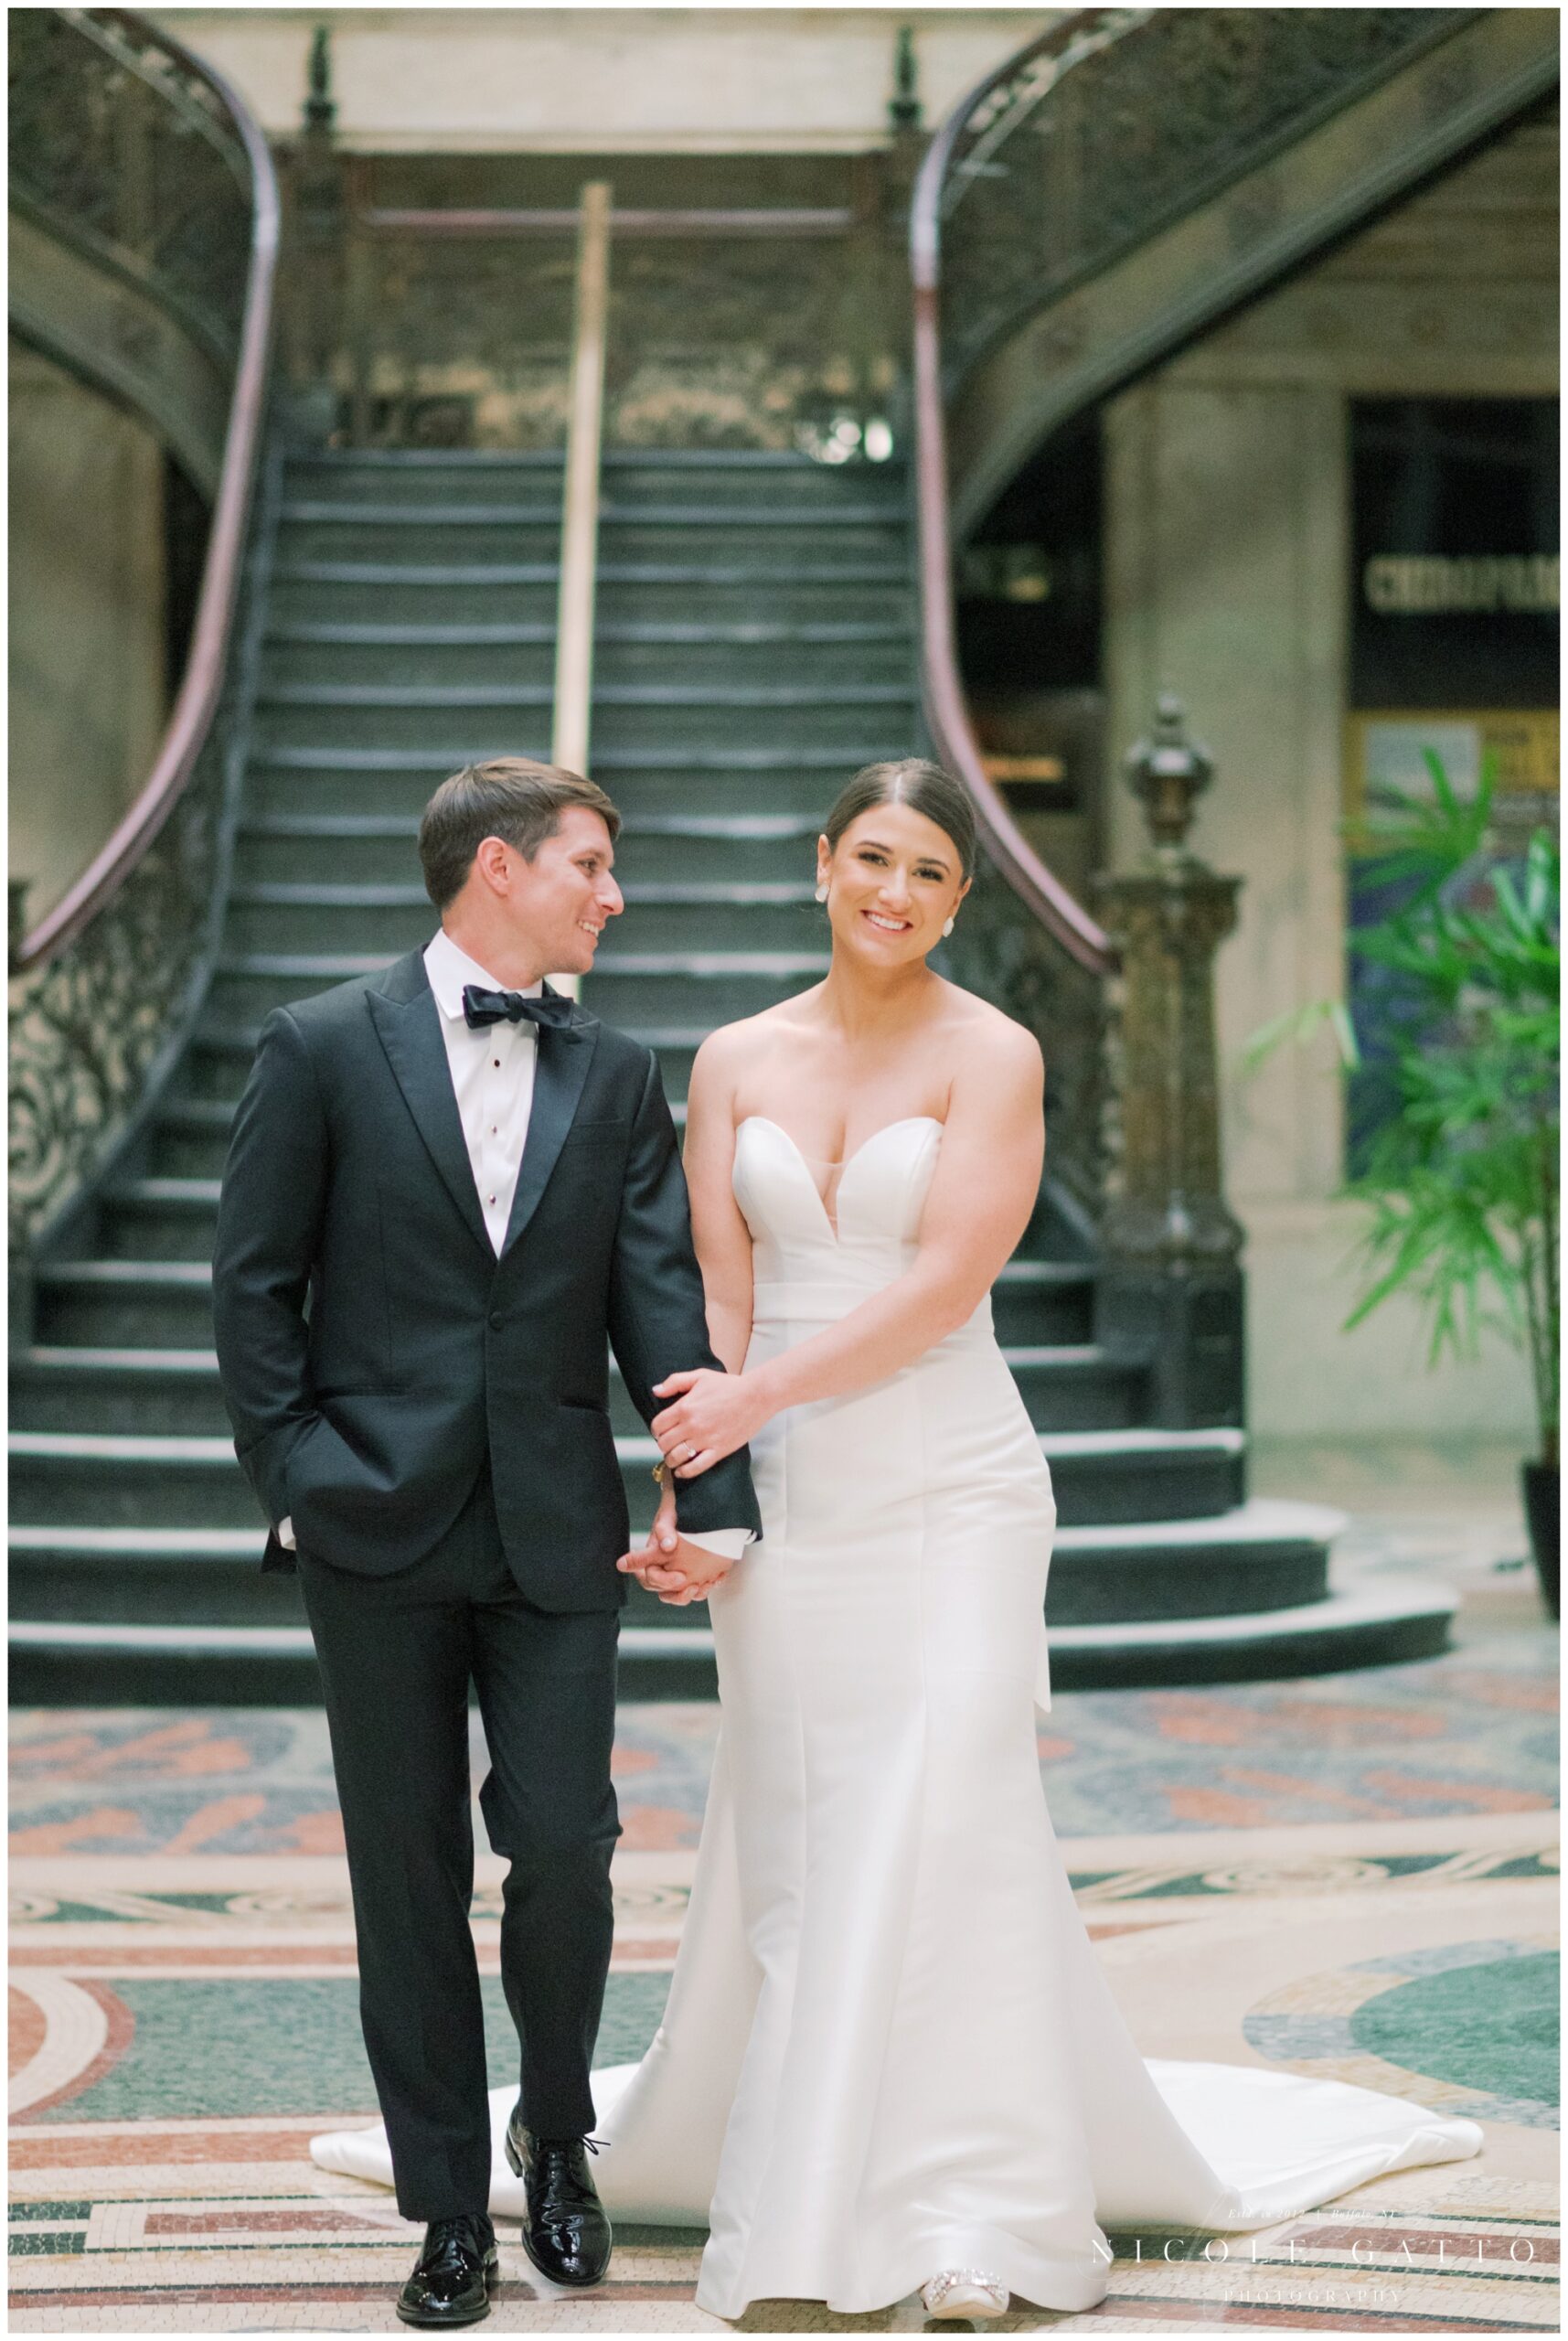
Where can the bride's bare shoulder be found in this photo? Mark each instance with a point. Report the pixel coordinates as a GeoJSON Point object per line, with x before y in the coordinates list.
{"type": "Point", "coordinates": [729, 1048]}
{"type": "Point", "coordinates": [990, 1042]}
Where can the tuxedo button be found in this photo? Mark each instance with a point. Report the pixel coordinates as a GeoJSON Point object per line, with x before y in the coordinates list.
{"type": "Point", "coordinates": [497, 1321]}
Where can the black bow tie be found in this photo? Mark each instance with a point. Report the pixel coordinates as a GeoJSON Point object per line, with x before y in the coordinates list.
{"type": "Point", "coordinates": [550, 1010]}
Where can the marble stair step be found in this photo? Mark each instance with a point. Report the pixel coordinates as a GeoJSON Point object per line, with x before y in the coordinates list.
{"type": "Point", "coordinates": [316, 529]}
{"type": "Point", "coordinates": [132, 1339]}
{"type": "Point", "coordinates": [1263, 1555]}
{"type": "Point", "coordinates": [371, 849]}
{"type": "Point", "coordinates": [721, 592]}
{"type": "Point", "coordinates": [306, 916]}
{"type": "Point", "coordinates": [736, 777]}
{"type": "Point", "coordinates": [189, 1480]}
{"type": "Point", "coordinates": [627, 988]}
{"type": "Point", "coordinates": [631, 716]}
{"type": "Point", "coordinates": [1367, 1620]}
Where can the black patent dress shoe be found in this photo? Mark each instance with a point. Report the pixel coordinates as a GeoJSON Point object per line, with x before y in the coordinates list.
{"type": "Point", "coordinates": [565, 2231]}
{"type": "Point", "coordinates": [450, 2285]}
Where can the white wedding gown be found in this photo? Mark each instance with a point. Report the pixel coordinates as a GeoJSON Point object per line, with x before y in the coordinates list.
{"type": "Point", "coordinates": [889, 2047]}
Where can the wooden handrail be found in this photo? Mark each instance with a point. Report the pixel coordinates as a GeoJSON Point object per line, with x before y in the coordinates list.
{"type": "Point", "coordinates": [202, 681]}
{"type": "Point", "coordinates": [579, 497]}
{"type": "Point", "coordinates": [947, 710]}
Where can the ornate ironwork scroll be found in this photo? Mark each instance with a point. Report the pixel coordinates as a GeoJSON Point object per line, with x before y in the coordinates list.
{"type": "Point", "coordinates": [131, 158]}
{"type": "Point", "coordinates": [1001, 950]}
{"type": "Point", "coordinates": [94, 1025]}
{"type": "Point", "coordinates": [439, 311]}
{"type": "Point", "coordinates": [1087, 149]}
{"type": "Point", "coordinates": [87, 1026]}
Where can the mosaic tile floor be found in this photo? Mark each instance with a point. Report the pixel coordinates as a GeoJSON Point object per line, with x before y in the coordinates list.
{"type": "Point", "coordinates": [1353, 1875]}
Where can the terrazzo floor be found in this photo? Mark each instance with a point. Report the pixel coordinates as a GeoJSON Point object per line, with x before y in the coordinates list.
{"type": "Point", "coordinates": [1351, 1875]}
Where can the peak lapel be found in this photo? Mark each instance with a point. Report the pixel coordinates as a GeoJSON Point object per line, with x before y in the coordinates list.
{"type": "Point", "coordinates": [410, 1028]}
{"type": "Point", "coordinates": [560, 1068]}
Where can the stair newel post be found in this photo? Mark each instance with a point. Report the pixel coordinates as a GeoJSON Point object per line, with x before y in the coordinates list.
{"type": "Point", "coordinates": [360, 270]}
{"type": "Point", "coordinates": [1170, 1289]}
{"type": "Point", "coordinates": [316, 186]}
{"type": "Point", "coordinates": [579, 495]}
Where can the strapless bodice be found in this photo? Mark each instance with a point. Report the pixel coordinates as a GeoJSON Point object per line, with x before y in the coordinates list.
{"type": "Point", "coordinates": [802, 1265]}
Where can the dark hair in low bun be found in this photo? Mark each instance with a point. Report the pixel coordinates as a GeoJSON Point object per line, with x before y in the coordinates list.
{"type": "Point", "coordinates": [924, 786]}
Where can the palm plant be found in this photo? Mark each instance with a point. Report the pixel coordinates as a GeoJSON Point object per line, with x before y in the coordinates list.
{"type": "Point", "coordinates": [1462, 1179]}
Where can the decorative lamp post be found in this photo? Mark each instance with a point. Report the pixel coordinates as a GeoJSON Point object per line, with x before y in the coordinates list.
{"type": "Point", "coordinates": [1171, 1291]}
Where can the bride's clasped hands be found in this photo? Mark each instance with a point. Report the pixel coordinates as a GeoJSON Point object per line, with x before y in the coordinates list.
{"type": "Point", "coordinates": [710, 1416]}
{"type": "Point", "coordinates": [713, 1414]}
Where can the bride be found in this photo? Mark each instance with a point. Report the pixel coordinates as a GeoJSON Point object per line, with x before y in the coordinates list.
{"type": "Point", "coordinates": [889, 2059]}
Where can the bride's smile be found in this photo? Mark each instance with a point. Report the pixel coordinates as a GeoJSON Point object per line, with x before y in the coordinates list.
{"type": "Point", "coordinates": [891, 884]}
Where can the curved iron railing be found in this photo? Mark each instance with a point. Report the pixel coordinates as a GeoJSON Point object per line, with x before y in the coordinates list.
{"type": "Point", "coordinates": [143, 159]}
{"type": "Point", "coordinates": [1024, 940]}
{"type": "Point", "coordinates": [1107, 131]}
{"type": "Point", "coordinates": [1104, 132]}
{"type": "Point", "coordinates": [969, 142]}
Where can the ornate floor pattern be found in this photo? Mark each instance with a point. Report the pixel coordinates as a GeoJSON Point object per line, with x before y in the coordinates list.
{"type": "Point", "coordinates": [1354, 1875]}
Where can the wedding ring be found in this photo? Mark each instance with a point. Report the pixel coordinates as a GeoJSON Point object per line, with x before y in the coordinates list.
{"type": "Point", "coordinates": [664, 1461]}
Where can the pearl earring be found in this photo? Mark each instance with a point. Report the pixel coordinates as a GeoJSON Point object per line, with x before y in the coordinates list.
{"type": "Point", "coordinates": [822, 893]}
{"type": "Point", "coordinates": [948, 928]}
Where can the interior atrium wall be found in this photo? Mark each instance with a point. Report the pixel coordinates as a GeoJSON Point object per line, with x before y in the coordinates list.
{"type": "Point", "coordinates": [87, 632]}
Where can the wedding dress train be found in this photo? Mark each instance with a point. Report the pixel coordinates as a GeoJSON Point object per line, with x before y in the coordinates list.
{"type": "Point", "coordinates": [889, 2047]}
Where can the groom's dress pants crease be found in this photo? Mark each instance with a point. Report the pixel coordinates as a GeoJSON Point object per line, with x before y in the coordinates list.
{"type": "Point", "coordinates": [546, 1693]}
{"type": "Point", "coordinates": [397, 1656]}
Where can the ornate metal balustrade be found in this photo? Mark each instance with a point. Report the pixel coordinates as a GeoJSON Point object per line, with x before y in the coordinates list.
{"type": "Point", "coordinates": [1001, 950]}
{"type": "Point", "coordinates": [126, 143]}
{"type": "Point", "coordinates": [1091, 142]}
{"type": "Point", "coordinates": [143, 167]}
{"type": "Point", "coordinates": [431, 306]}
{"type": "Point", "coordinates": [130, 223]}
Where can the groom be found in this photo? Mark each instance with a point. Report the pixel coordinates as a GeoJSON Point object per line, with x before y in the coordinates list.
{"type": "Point", "coordinates": [447, 1185]}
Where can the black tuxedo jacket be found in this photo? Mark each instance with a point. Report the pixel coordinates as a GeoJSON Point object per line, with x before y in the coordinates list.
{"type": "Point", "coordinates": [373, 1348]}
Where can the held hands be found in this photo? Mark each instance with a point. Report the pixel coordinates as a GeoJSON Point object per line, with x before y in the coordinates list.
{"type": "Point", "coordinates": [678, 1572]}
{"type": "Point", "coordinates": [709, 1416]}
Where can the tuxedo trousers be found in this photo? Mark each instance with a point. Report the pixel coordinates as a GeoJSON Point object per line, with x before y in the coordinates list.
{"type": "Point", "coordinates": [397, 1656]}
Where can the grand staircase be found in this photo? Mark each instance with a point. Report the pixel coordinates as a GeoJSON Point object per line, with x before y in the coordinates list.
{"type": "Point", "coordinates": [756, 641]}
{"type": "Point", "coordinates": [755, 644]}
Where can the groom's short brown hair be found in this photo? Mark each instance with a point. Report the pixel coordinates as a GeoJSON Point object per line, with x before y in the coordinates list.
{"type": "Point", "coordinates": [509, 798]}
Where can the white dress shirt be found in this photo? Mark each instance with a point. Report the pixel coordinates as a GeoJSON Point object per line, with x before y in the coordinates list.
{"type": "Point", "coordinates": [492, 1070]}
